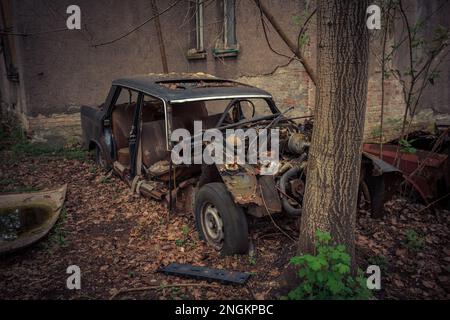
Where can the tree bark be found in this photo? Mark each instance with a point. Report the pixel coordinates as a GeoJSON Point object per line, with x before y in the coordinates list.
{"type": "Point", "coordinates": [330, 201]}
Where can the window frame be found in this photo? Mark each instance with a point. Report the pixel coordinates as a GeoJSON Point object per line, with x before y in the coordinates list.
{"type": "Point", "coordinates": [197, 50]}
{"type": "Point", "coordinates": [229, 24]}
{"type": "Point", "coordinates": [228, 45]}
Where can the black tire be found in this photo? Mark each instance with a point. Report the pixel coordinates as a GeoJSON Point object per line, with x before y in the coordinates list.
{"type": "Point", "coordinates": [376, 189]}
{"type": "Point", "coordinates": [233, 238]}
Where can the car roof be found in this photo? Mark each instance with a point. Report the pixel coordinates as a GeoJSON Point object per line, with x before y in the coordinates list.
{"type": "Point", "coordinates": [184, 87]}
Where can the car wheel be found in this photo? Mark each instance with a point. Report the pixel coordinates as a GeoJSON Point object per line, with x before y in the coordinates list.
{"type": "Point", "coordinates": [371, 195]}
{"type": "Point", "coordinates": [220, 222]}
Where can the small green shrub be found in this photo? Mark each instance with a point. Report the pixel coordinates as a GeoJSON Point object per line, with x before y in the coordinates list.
{"type": "Point", "coordinates": [105, 180]}
{"type": "Point", "coordinates": [93, 170]}
{"type": "Point", "coordinates": [185, 230]}
{"type": "Point", "coordinates": [185, 238]}
{"type": "Point", "coordinates": [180, 242]}
{"type": "Point", "coordinates": [376, 132]}
{"type": "Point", "coordinates": [413, 240]}
{"type": "Point", "coordinates": [326, 275]}
{"type": "Point", "coordinates": [252, 259]}
{"type": "Point", "coordinates": [406, 146]}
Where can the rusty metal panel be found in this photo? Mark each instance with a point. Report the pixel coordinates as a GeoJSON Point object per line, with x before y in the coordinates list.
{"type": "Point", "coordinates": [243, 188]}
{"type": "Point", "coordinates": [205, 273]}
{"type": "Point", "coordinates": [270, 193]}
{"type": "Point", "coordinates": [422, 169]}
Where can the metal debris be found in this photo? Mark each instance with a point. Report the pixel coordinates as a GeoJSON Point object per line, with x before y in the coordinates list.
{"type": "Point", "coordinates": [205, 273]}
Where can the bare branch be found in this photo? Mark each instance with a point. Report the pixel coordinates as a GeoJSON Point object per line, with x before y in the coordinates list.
{"type": "Point", "coordinates": [294, 48]}
{"type": "Point", "coordinates": [137, 27]}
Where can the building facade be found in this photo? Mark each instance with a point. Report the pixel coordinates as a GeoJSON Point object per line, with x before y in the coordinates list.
{"type": "Point", "coordinates": [49, 71]}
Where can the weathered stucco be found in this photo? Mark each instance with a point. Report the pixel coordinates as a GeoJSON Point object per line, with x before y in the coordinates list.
{"type": "Point", "coordinates": [60, 71]}
{"type": "Point", "coordinates": [63, 70]}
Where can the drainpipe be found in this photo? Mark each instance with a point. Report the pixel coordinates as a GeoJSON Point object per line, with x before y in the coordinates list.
{"type": "Point", "coordinates": [162, 48]}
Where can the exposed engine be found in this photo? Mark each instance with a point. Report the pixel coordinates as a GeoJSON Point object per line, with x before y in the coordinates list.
{"type": "Point", "coordinates": [288, 172]}
{"type": "Point", "coordinates": [291, 177]}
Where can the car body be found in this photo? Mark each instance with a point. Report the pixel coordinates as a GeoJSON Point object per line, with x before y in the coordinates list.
{"type": "Point", "coordinates": [131, 133]}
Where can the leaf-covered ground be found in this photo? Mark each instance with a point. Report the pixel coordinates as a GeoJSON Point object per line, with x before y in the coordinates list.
{"type": "Point", "coordinates": [119, 240]}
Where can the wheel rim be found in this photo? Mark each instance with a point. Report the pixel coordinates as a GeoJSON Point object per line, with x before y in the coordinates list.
{"type": "Point", "coordinates": [212, 225]}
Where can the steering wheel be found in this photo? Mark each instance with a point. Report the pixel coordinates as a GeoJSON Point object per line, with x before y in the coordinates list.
{"type": "Point", "coordinates": [251, 103]}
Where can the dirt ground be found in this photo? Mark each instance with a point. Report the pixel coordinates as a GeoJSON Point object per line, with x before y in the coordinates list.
{"type": "Point", "coordinates": [119, 240]}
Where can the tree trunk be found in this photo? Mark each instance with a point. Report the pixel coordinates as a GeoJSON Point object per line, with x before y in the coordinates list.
{"type": "Point", "coordinates": [330, 201]}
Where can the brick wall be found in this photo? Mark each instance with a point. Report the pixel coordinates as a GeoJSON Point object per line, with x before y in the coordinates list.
{"type": "Point", "coordinates": [394, 107]}
{"type": "Point", "coordinates": [62, 70]}
{"type": "Point", "coordinates": [289, 86]}
{"type": "Point", "coordinates": [59, 129]}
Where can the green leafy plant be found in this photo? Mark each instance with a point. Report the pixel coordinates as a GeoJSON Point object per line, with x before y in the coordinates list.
{"type": "Point", "coordinates": [413, 240]}
{"type": "Point", "coordinates": [327, 275]}
{"type": "Point", "coordinates": [185, 230]}
{"type": "Point", "coordinates": [185, 238]}
{"type": "Point", "coordinates": [92, 169]}
{"type": "Point", "coordinates": [252, 258]}
{"type": "Point", "coordinates": [406, 146]}
{"type": "Point", "coordinates": [105, 180]}
{"type": "Point", "coordinates": [180, 242]}
{"type": "Point", "coordinates": [376, 132]}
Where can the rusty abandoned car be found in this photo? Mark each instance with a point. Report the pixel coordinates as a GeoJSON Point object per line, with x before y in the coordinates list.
{"type": "Point", "coordinates": [131, 132]}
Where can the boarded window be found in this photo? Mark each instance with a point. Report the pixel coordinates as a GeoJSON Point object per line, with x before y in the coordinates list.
{"type": "Point", "coordinates": [197, 50]}
{"type": "Point", "coordinates": [227, 46]}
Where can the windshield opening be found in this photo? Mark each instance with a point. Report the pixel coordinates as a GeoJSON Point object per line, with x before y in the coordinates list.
{"type": "Point", "coordinates": [225, 111]}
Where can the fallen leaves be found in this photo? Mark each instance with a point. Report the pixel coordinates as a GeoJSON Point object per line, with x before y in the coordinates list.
{"type": "Point", "coordinates": [120, 240]}
{"type": "Point", "coordinates": [414, 271]}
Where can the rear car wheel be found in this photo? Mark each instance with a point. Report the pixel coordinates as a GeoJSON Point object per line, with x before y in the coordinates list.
{"type": "Point", "coordinates": [371, 195]}
{"type": "Point", "coordinates": [220, 222]}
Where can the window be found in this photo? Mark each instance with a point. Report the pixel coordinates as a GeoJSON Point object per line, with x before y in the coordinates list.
{"type": "Point", "coordinates": [197, 50]}
{"type": "Point", "coordinates": [249, 107]}
{"type": "Point", "coordinates": [152, 109]}
{"type": "Point", "coordinates": [126, 99]}
{"type": "Point", "coordinates": [123, 114]}
{"type": "Point", "coordinates": [227, 46]}
{"type": "Point", "coordinates": [199, 24]}
{"type": "Point", "coordinates": [229, 36]}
